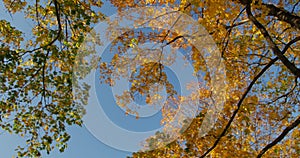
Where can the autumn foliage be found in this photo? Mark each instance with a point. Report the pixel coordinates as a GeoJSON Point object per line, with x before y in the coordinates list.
{"type": "Point", "coordinates": [258, 42]}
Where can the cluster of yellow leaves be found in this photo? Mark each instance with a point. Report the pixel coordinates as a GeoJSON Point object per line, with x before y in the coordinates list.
{"type": "Point", "coordinates": [265, 111]}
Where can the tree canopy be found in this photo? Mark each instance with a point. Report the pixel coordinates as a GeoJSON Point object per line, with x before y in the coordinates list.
{"type": "Point", "coordinates": [258, 42]}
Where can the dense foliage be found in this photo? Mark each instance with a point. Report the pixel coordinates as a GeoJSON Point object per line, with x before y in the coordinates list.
{"type": "Point", "coordinates": [258, 42]}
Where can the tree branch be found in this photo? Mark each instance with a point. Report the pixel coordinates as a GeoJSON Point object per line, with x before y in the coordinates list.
{"type": "Point", "coordinates": [228, 33]}
{"type": "Point", "coordinates": [246, 92]}
{"type": "Point", "coordinates": [57, 10]}
{"type": "Point", "coordinates": [287, 46]}
{"type": "Point", "coordinates": [280, 13]}
{"type": "Point", "coordinates": [273, 46]}
{"type": "Point", "coordinates": [239, 105]}
{"type": "Point", "coordinates": [283, 15]}
{"type": "Point", "coordinates": [174, 39]}
{"type": "Point", "coordinates": [280, 137]}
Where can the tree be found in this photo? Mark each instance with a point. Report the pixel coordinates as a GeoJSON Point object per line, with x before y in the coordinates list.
{"type": "Point", "coordinates": [258, 42]}
{"type": "Point", "coordinates": [36, 90]}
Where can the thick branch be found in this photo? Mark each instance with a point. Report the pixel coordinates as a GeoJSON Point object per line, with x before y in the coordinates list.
{"type": "Point", "coordinates": [283, 15]}
{"type": "Point", "coordinates": [280, 13]}
{"type": "Point", "coordinates": [273, 46]}
{"type": "Point", "coordinates": [280, 137]}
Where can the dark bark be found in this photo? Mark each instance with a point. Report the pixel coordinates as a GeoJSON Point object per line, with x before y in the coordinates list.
{"type": "Point", "coordinates": [283, 15]}
{"type": "Point", "coordinates": [272, 44]}
{"type": "Point", "coordinates": [280, 13]}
